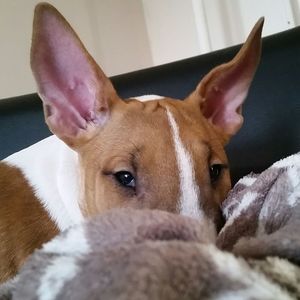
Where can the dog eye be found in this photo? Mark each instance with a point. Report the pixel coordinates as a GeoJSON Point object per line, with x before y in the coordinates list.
{"type": "Point", "coordinates": [125, 179]}
{"type": "Point", "coordinates": [215, 172]}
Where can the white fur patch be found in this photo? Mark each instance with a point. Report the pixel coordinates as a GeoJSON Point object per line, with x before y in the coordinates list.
{"type": "Point", "coordinates": [294, 179]}
{"type": "Point", "coordinates": [74, 242]}
{"type": "Point", "coordinates": [242, 206]}
{"type": "Point", "coordinates": [227, 209]}
{"type": "Point", "coordinates": [236, 269]}
{"type": "Point", "coordinates": [61, 270]}
{"type": "Point", "coordinates": [290, 161]}
{"type": "Point", "coordinates": [285, 268]}
{"type": "Point", "coordinates": [189, 191]}
{"type": "Point", "coordinates": [264, 215]}
{"type": "Point", "coordinates": [247, 181]}
{"type": "Point", "coordinates": [145, 98]}
{"type": "Point", "coordinates": [51, 168]}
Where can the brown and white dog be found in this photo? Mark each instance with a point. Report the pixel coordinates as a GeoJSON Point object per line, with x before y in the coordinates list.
{"type": "Point", "coordinates": [107, 152]}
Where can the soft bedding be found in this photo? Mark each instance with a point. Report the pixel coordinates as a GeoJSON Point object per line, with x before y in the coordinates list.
{"type": "Point", "coordinates": [132, 254]}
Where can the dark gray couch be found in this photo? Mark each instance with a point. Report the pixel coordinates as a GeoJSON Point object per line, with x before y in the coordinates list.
{"type": "Point", "coordinates": [272, 110]}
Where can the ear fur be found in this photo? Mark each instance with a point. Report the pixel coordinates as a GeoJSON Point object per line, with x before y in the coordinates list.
{"type": "Point", "coordinates": [223, 90]}
{"type": "Point", "coordinates": [76, 94]}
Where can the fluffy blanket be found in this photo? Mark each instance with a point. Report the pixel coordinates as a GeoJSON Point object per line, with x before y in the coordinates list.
{"type": "Point", "coordinates": [136, 255]}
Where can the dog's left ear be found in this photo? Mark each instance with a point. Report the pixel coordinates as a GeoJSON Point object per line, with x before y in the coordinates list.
{"type": "Point", "coordinates": [77, 96]}
{"type": "Point", "coordinates": [223, 90]}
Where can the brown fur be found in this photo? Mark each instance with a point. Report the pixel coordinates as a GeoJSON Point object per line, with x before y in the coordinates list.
{"type": "Point", "coordinates": [24, 224]}
{"type": "Point", "coordinates": [22, 233]}
{"type": "Point", "coordinates": [112, 135]}
{"type": "Point", "coordinates": [140, 123]}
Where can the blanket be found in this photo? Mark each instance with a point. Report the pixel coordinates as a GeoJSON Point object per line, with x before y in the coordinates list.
{"type": "Point", "coordinates": [134, 254]}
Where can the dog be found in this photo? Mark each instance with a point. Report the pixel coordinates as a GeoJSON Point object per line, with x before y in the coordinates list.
{"type": "Point", "coordinates": [106, 152]}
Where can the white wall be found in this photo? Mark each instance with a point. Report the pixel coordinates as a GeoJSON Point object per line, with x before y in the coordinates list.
{"type": "Point", "coordinates": [126, 35]}
{"type": "Point", "coordinates": [15, 35]}
{"type": "Point", "coordinates": [120, 35]}
{"type": "Point", "coordinates": [172, 29]}
{"type": "Point", "coordinates": [230, 21]}
{"type": "Point", "coordinates": [114, 32]}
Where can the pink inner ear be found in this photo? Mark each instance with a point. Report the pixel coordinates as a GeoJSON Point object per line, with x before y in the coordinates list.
{"type": "Point", "coordinates": [225, 88]}
{"type": "Point", "coordinates": [65, 76]}
{"type": "Point", "coordinates": [65, 116]}
{"type": "Point", "coordinates": [225, 101]}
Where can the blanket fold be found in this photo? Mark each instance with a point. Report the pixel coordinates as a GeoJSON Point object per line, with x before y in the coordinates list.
{"type": "Point", "coordinates": [262, 213]}
{"type": "Point", "coordinates": [133, 254]}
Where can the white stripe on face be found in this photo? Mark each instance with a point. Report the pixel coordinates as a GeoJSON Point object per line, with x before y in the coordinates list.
{"type": "Point", "coordinates": [189, 191]}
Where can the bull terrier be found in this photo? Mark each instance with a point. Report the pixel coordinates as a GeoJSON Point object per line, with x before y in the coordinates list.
{"type": "Point", "coordinates": [106, 152]}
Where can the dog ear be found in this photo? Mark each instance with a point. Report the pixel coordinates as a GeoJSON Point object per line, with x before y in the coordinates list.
{"type": "Point", "coordinates": [76, 94]}
{"type": "Point", "coordinates": [223, 90]}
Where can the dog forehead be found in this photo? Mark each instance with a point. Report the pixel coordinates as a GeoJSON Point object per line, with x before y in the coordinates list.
{"type": "Point", "coordinates": [183, 110]}
{"type": "Point", "coordinates": [145, 98]}
{"type": "Point", "coordinates": [144, 121]}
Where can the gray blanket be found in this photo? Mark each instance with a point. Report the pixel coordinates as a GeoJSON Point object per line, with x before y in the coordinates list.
{"type": "Point", "coordinates": [136, 255]}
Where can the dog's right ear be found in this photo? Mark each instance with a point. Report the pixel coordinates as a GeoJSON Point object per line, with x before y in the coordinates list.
{"type": "Point", "coordinates": [76, 94]}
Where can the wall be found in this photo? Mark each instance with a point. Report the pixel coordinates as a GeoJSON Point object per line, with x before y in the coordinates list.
{"type": "Point", "coordinates": [229, 21]}
{"type": "Point", "coordinates": [126, 35]}
{"type": "Point", "coordinates": [120, 35]}
{"type": "Point", "coordinates": [172, 29]}
{"type": "Point", "coordinates": [114, 32]}
{"type": "Point", "coordinates": [15, 34]}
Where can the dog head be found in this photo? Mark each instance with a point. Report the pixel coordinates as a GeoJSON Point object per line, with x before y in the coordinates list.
{"type": "Point", "coordinates": [162, 153]}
